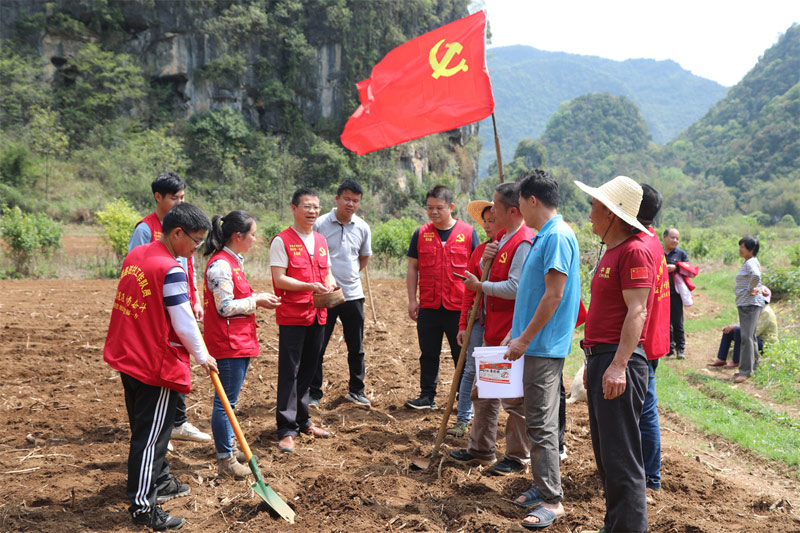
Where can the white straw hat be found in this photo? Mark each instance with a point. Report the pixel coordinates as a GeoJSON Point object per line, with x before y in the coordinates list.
{"type": "Point", "coordinates": [475, 209]}
{"type": "Point", "coordinates": [622, 196]}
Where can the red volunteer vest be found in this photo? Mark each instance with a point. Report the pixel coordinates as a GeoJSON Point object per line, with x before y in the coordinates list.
{"type": "Point", "coordinates": [656, 339]}
{"type": "Point", "coordinates": [437, 285]}
{"type": "Point", "coordinates": [297, 307]}
{"type": "Point", "coordinates": [499, 311]}
{"type": "Point", "coordinates": [155, 234]}
{"type": "Point", "coordinates": [233, 336]}
{"type": "Point", "coordinates": [140, 334]}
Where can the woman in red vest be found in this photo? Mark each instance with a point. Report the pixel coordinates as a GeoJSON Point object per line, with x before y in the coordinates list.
{"type": "Point", "coordinates": [230, 326]}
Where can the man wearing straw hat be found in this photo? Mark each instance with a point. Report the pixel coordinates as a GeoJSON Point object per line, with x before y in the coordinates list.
{"type": "Point", "coordinates": [544, 318]}
{"type": "Point", "coordinates": [616, 365]}
{"type": "Point", "coordinates": [437, 249]}
{"type": "Point", "coordinates": [500, 291]}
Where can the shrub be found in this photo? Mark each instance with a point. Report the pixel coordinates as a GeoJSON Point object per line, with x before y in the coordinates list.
{"type": "Point", "coordinates": [28, 237]}
{"type": "Point", "coordinates": [118, 219]}
{"type": "Point", "coordinates": [393, 236]}
{"type": "Point", "coordinates": [783, 282]}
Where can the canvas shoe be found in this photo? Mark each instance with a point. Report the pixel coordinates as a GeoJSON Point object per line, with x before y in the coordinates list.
{"type": "Point", "coordinates": [187, 431]}
{"type": "Point", "coordinates": [313, 403]}
{"type": "Point", "coordinates": [459, 430]}
{"type": "Point", "coordinates": [230, 467]}
{"type": "Point", "coordinates": [173, 489]}
{"type": "Point", "coordinates": [466, 458]}
{"type": "Point", "coordinates": [421, 403]}
{"type": "Point", "coordinates": [358, 398]}
{"type": "Point", "coordinates": [505, 467]}
{"type": "Point", "coordinates": [680, 355]}
{"type": "Point", "coordinates": [159, 520]}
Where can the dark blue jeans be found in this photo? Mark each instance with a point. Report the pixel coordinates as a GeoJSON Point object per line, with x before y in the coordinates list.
{"type": "Point", "coordinates": [232, 372]}
{"type": "Point", "coordinates": [734, 336]}
{"type": "Point", "coordinates": [651, 431]}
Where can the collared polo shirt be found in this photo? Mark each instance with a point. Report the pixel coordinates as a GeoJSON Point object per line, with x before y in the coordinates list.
{"type": "Point", "coordinates": [346, 242]}
{"type": "Point", "coordinates": [554, 248]}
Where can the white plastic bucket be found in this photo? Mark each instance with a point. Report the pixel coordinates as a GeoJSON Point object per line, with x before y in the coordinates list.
{"type": "Point", "coordinates": [497, 377]}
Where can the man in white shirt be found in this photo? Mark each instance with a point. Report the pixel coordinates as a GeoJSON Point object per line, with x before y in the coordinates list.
{"type": "Point", "coordinates": [349, 244]}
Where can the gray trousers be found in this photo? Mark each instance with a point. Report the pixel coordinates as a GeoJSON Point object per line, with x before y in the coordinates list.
{"type": "Point", "coordinates": [541, 382]}
{"type": "Point", "coordinates": [483, 433]}
{"type": "Point", "coordinates": [748, 320]}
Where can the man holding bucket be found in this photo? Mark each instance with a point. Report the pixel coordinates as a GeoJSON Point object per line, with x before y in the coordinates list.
{"type": "Point", "coordinates": [300, 267]}
{"type": "Point", "coordinates": [546, 309]}
{"type": "Point", "coordinates": [500, 290]}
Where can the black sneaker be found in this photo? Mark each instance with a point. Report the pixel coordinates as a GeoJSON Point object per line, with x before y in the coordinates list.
{"type": "Point", "coordinates": [505, 467]}
{"type": "Point", "coordinates": [173, 489]}
{"type": "Point", "coordinates": [358, 398]}
{"type": "Point", "coordinates": [422, 403]}
{"type": "Point", "coordinates": [159, 520]}
{"type": "Point", "coordinates": [466, 458]}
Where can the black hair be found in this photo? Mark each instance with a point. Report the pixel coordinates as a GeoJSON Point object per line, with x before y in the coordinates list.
{"type": "Point", "coordinates": [650, 206]}
{"type": "Point", "coordinates": [168, 183]}
{"type": "Point", "coordinates": [188, 217]}
{"type": "Point", "coordinates": [666, 231]}
{"type": "Point", "coordinates": [303, 191]}
{"type": "Point", "coordinates": [223, 228]}
{"type": "Point", "coordinates": [509, 194]}
{"type": "Point", "coordinates": [350, 185]}
{"type": "Point", "coordinates": [542, 185]}
{"type": "Point", "coordinates": [751, 243]}
{"type": "Point", "coordinates": [483, 212]}
{"type": "Point", "coordinates": [442, 193]}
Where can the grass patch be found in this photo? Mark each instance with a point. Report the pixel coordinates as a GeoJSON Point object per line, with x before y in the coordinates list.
{"type": "Point", "coordinates": [717, 284]}
{"type": "Point", "coordinates": [779, 370]}
{"type": "Point", "coordinates": [716, 411]}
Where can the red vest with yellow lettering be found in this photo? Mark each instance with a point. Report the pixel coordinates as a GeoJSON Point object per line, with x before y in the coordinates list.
{"type": "Point", "coordinates": [155, 234]}
{"type": "Point", "coordinates": [656, 337]}
{"type": "Point", "coordinates": [500, 311]}
{"type": "Point", "coordinates": [141, 341]}
{"type": "Point", "coordinates": [297, 307]}
{"type": "Point", "coordinates": [233, 336]}
{"type": "Point", "coordinates": [437, 285]}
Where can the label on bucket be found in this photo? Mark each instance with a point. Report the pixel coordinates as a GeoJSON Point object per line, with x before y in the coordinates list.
{"type": "Point", "coordinates": [495, 373]}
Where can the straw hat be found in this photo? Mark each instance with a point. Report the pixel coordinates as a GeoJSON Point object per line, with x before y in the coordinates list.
{"type": "Point", "coordinates": [475, 209]}
{"type": "Point", "coordinates": [622, 196]}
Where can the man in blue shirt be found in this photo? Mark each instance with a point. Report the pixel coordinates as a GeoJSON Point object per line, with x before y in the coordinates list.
{"type": "Point", "coordinates": [545, 312]}
{"type": "Point", "coordinates": [677, 339]}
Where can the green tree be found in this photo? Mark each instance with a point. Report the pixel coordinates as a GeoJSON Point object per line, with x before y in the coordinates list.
{"type": "Point", "coordinates": [118, 219]}
{"type": "Point", "coordinates": [48, 140]}
{"type": "Point", "coordinates": [28, 237]}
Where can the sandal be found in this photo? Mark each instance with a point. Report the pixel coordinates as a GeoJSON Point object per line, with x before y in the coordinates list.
{"type": "Point", "coordinates": [544, 516]}
{"type": "Point", "coordinates": [532, 498]}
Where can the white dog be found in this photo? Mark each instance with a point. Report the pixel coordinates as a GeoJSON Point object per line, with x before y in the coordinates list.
{"type": "Point", "coordinates": [577, 392]}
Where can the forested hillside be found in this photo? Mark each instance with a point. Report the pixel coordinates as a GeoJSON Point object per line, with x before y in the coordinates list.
{"type": "Point", "coordinates": [530, 84]}
{"type": "Point", "coordinates": [246, 98]}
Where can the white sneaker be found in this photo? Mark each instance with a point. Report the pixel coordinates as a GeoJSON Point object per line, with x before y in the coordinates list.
{"type": "Point", "coordinates": [563, 455]}
{"type": "Point", "coordinates": [170, 447]}
{"type": "Point", "coordinates": [187, 431]}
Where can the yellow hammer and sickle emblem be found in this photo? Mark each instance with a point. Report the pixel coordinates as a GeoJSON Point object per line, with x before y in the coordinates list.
{"type": "Point", "coordinates": [460, 237]}
{"type": "Point", "coordinates": [322, 252]}
{"type": "Point", "coordinates": [440, 67]}
{"type": "Point", "coordinates": [504, 257]}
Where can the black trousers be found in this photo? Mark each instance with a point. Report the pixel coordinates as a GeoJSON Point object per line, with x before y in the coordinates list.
{"type": "Point", "coordinates": [562, 415]}
{"type": "Point", "coordinates": [617, 442]}
{"type": "Point", "coordinates": [151, 412]}
{"type": "Point", "coordinates": [432, 324]}
{"type": "Point", "coordinates": [677, 340]}
{"type": "Point", "coordinates": [180, 410]}
{"type": "Point", "coordinates": [351, 313]}
{"type": "Point", "coordinates": [298, 353]}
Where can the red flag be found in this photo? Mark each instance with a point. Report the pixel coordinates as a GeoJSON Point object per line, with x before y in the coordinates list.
{"type": "Point", "coordinates": [436, 82]}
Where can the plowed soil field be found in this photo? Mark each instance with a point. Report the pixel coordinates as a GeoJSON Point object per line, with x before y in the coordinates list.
{"type": "Point", "coordinates": [64, 442]}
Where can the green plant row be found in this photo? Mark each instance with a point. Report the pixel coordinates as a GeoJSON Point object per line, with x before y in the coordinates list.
{"type": "Point", "coordinates": [764, 436]}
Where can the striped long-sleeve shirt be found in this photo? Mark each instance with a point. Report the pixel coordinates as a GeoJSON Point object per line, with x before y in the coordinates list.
{"type": "Point", "coordinates": [748, 279]}
{"type": "Point", "coordinates": [176, 300]}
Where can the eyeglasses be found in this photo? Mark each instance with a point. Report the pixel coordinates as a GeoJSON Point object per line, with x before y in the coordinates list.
{"type": "Point", "coordinates": [197, 244]}
{"type": "Point", "coordinates": [310, 207]}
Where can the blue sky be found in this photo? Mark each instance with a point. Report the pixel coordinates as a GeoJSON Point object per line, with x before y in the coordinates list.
{"type": "Point", "coordinates": [718, 40]}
